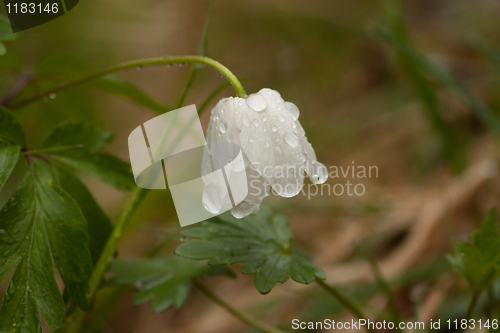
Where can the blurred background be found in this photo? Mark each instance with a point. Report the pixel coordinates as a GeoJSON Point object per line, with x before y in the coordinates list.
{"type": "Point", "coordinates": [361, 104]}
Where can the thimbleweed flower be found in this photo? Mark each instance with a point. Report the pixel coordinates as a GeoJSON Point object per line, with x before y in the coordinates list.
{"type": "Point", "coordinates": [275, 149]}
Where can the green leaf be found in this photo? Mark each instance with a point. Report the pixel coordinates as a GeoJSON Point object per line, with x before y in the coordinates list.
{"type": "Point", "coordinates": [165, 281]}
{"type": "Point", "coordinates": [62, 66]}
{"type": "Point", "coordinates": [98, 224]}
{"type": "Point", "coordinates": [115, 85]}
{"type": "Point", "coordinates": [45, 225]}
{"type": "Point", "coordinates": [479, 262]}
{"type": "Point", "coordinates": [106, 167]}
{"type": "Point", "coordinates": [72, 134]}
{"type": "Point", "coordinates": [10, 129]}
{"type": "Point", "coordinates": [9, 155]}
{"type": "Point", "coordinates": [6, 33]}
{"type": "Point", "coordinates": [260, 241]}
{"type": "Point", "coordinates": [487, 238]}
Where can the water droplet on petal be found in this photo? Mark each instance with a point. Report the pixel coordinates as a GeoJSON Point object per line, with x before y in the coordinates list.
{"type": "Point", "coordinates": [293, 109]}
{"type": "Point", "coordinates": [280, 117]}
{"type": "Point", "coordinates": [256, 122]}
{"type": "Point", "coordinates": [251, 139]}
{"type": "Point", "coordinates": [211, 199]}
{"type": "Point", "coordinates": [256, 102]}
{"type": "Point", "coordinates": [267, 144]}
{"type": "Point", "coordinates": [319, 173]}
{"type": "Point", "coordinates": [223, 126]}
{"type": "Point", "coordinates": [264, 118]}
{"type": "Point", "coordinates": [274, 128]}
{"type": "Point", "coordinates": [292, 140]}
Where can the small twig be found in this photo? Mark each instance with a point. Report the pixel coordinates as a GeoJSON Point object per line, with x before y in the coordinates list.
{"type": "Point", "coordinates": [22, 82]}
{"type": "Point", "coordinates": [344, 301]}
{"type": "Point", "coordinates": [243, 317]}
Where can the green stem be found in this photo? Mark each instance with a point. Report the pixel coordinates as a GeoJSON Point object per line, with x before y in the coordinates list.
{"type": "Point", "coordinates": [243, 317]}
{"type": "Point", "coordinates": [472, 305]}
{"type": "Point", "coordinates": [343, 300]}
{"type": "Point", "coordinates": [384, 286]}
{"type": "Point", "coordinates": [139, 64]}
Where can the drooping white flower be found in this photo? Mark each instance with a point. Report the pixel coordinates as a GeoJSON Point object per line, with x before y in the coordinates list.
{"type": "Point", "coordinates": [274, 146]}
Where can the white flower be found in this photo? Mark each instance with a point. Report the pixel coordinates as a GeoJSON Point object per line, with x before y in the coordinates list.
{"type": "Point", "coordinates": [274, 146]}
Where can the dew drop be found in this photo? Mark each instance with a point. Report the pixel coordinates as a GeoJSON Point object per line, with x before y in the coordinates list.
{"type": "Point", "coordinates": [52, 96]}
{"type": "Point", "coordinates": [274, 128]}
{"type": "Point", "coordinates": [293, 109]}
{"type": "Point", "coordinates": [256, 102]}
{"type": "Point", "coordinates": [319, 173]}
{"type": "Point", "coordinates": [256, 123]}
{"type": "Point", "coordinates": [280, 117]}
{"type": "Point", "coordinates": [211, 199]}
{"type": "Point", "coordinates": [251, 139]}
{"type": "Point", "coordinates": [223, 126]}
{"type": "Point", "coordinates": [264, 118]}
{"type": "Point", "coordinates": [12, 288]}
{"type": "Point", "coordinates": [292, 140]}
{"type": "Point", "coordinates": [267, 144]}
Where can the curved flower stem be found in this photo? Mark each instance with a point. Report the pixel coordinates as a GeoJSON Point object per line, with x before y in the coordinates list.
{"type": "Point", "coordinates": [139, 64]}
{"type": "Point", "coordinates": [243, 317]}
{"type": "Point", "coordinates": [344, 301]}
{"type": "Point", "coordinates": [74, 324]}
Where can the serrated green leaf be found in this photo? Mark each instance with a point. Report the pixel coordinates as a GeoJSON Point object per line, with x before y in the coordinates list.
{"type": "Point", "coordinates": [260, 241]}
{"type": "Point", "coordinates": [479, 262]}
{"type": "Point", "coordinates": [487, 238]}
{"type": "Point", "coordinates": [45, 225]}
{"type": "Point", "coordinates": [165, 281]}
{"type": "Point", "coordinates": [106, 167]}
{"type": "Point", "coordinates": [10, 129]}
{"type": "Point", "coordinates": [9, 155]}
{"type": "Point", "coordinates": [98, 224]}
